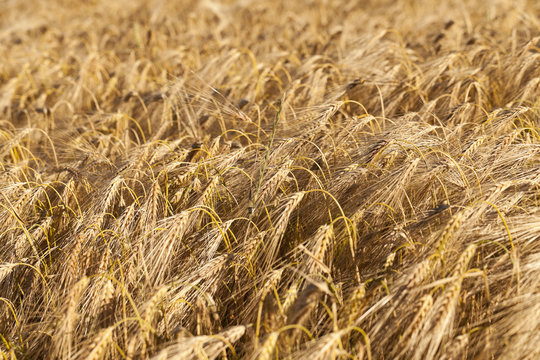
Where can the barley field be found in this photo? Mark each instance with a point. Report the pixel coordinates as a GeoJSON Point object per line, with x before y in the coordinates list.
{"type": "Point", "coordinates": [270, 179]}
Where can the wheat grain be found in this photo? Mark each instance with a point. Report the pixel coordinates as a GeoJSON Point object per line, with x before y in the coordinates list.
{"type": "Point", "coordinates": [5, 270]}
{"type": "Point", "coordinates": [456, 347]}
{"type": "Point", "coordinates": [321, 241]}
{"type": "Point", "coordinates": [99, 344]}
{"type": "Point", "coordinates": [269, 188]}
{"type": "Point", "coordinates": [73, 261]}
{"type": "Point", "coordinates": [268, 346]}
{"type": "Point", "coordinates": [353, 305]}
{"type": "Point", "coordinates": [463, 261]}
{"type": "Point", "coordinates": [274, 238]}
{"type": "Point", "coordinates": [64, 331]}
{"type": "Point", "coordinates": [409, 336]}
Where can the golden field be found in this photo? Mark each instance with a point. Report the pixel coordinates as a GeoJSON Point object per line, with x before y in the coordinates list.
{"type": "Point", "coordinates": [270, 179]}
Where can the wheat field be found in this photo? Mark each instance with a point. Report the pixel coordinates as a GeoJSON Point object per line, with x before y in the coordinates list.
{"type": "Point", "coordinates": [270, 179]}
